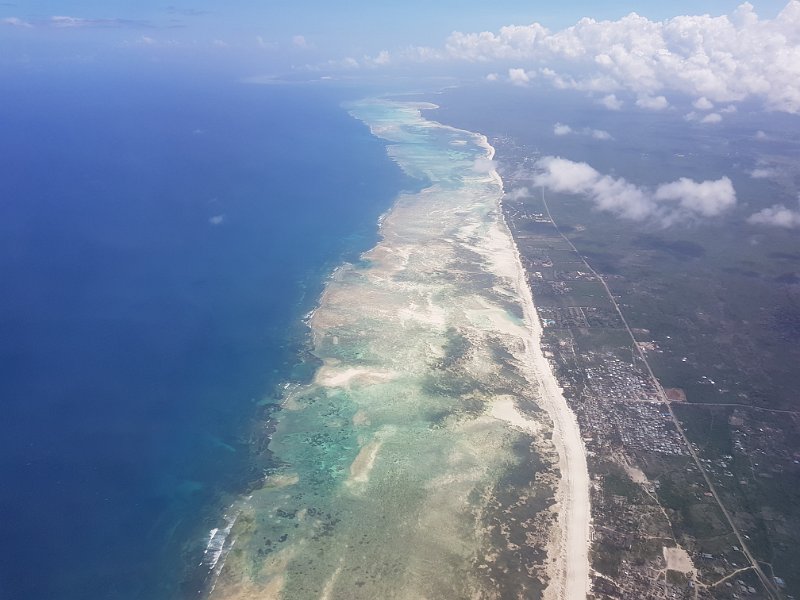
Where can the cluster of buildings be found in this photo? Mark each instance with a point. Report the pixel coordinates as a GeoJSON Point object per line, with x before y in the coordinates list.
{"type": "Point", "coordinates": [614, 379]}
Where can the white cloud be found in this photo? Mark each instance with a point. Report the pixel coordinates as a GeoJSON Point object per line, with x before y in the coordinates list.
{"type": "Point", "coordinates": [607, 193]}
{"type": "Point", "coordinates": [649, 102]}
{"type": "Point", "coordinates": [611, 102]}
{"type": "Point", "coordinates": [561, 129]}
{"type": "Point", "coordinates": [16, 22]}
{"type": "Point", "coordinates": [562, 175]}
{"type": "Point", "coordinates": [518, 77]}
{"type": "Point", "coordinates": [484, 165]}
{"type": "Point", "coordinates": [345, 63]}
{"type": "Point", "coordinates": [764, 173]}
{"type": "Point", "coordinates": [299, 41]}
{"type": "Point", "coordinates": [671, 203]}
{"type": "Point", "coordinates": [761, 136]}
{"type": "Point", "coordinates": [517, 193]}
{"type": "Point", "coordinates": [703, 103]}
{"type": "Point", "coordinates": [731, 108]}
{"type": "Point", "coordinates": [217, 220]}
{"type": "Point", "coordinates": [722, 59]}
{"type": "Point", "coordinates": [383, 58]}
{"type": "Point", "coordinates": [262, 43]}
{"type": "Point", "coordinates": [599, 134]}
{"type": "Point", "coordinates": [710, 118]}
{"type": "Point", "coordinates": [707, 198]}
{"type": "Point", "coordinates": [64, 21]}
{"type": "Point", "coordinates": [219, 43]}
{"type": "Point", "coordinates": [776, 215]}
{"type": "Point", "coordinates": [492, 77]}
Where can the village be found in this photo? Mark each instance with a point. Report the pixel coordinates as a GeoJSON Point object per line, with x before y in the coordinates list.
{"type": "Point", "coordinates": [657, 527]}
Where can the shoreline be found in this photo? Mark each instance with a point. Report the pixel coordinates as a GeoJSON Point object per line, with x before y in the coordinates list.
{"type": "Point", "coordinates": [372, 398]}
{"type": "Point", "coordinates": [572, 499]}
{"type": "Point", "coordinates": [573, 491]}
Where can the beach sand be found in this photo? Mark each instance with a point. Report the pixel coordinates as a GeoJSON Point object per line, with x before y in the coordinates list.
{"type": "Point", "coordinates": [569, 567]}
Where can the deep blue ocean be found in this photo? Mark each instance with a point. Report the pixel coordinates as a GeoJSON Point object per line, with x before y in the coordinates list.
{"type": "Point", "coordinates": [160, 240]}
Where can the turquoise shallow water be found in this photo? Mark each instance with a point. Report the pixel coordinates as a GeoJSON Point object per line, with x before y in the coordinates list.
{"type": "Point", "coordinates": [403, 463]}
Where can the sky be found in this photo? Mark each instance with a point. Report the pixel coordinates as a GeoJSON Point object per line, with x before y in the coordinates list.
{"type": "Point", "coordinates": [283, 34]}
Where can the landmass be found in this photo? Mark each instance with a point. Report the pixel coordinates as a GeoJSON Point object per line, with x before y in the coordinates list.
{"type": "Point", "coordinates": [680, 490]}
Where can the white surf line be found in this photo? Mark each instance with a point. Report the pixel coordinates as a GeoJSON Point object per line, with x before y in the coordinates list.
{"type": "Point", "coordinates": [570, 569]}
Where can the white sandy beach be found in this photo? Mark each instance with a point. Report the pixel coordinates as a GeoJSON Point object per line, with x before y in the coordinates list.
{"type": "Point", "coordinates": [569, 569]}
